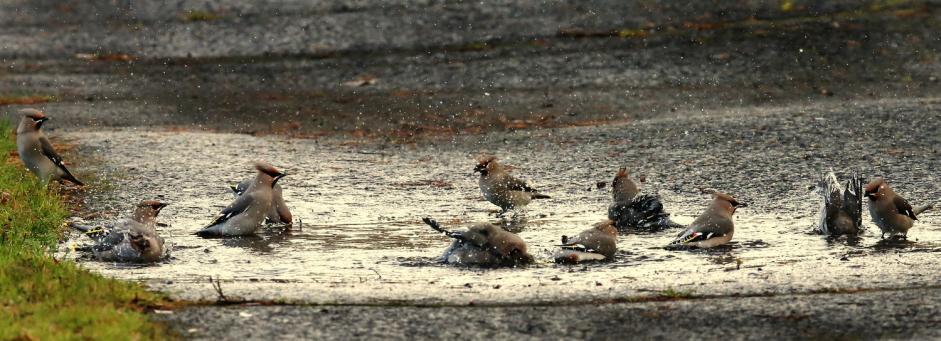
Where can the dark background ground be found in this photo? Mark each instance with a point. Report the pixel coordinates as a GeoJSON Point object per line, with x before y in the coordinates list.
{"type": "Point", "coordinates": [407, 70]}
{"type": "Point", "coordinates": [398, 68]}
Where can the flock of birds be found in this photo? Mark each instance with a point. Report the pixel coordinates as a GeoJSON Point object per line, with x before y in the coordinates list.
{"type": "Point", "coordinates": [259, 201]}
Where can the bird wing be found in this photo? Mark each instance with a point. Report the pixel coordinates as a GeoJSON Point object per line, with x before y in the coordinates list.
{"type": "Point", "coordinates": [235, 208]}
{"type": "Point", "coordinates": [241, 187]}
{"type": "Point", "coordinates": [585, 242]}
{"type": "Point", "coordinates": [110, 241]}
{"type": "Point", "coordinates": [518, 185]}
{"type": "Point", "coordinates": [904, 207]}
{"type": "Point", "coordinates": [701, 229]}
{"type": "Point", "coordinates": [691, 236]}
{"type": "Point", "coordinates": [50, 153]}
{"type": "Point", "coordinates": [853, 200]}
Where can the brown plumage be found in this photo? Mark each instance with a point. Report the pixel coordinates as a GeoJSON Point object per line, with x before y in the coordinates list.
{"type": "Point", "coordinates": [596, 243]}
{"type": "Point", "coordinates": [890, 211]}
{"type": "Point", "coordinates": [502, 189]}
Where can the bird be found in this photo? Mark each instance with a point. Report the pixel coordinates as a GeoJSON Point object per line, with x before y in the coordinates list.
{"type": "Point", "coordinates": [279, 212]}
{"type": "Point", "coordinates": [132, 239]}
{"type": "Point", "coordinates": [502, 189]}
{"type": "Point", "coordinates": [632, 211]}
{"type": "Point", "coordinates": [594, 244]}
{"type": "Point", "coordinates": [892, 213]}
{"type": "Point", "coordinates": [248, 212]}
{"type": "Point", "coordinates": [37, 152]}
{"type": "Point", "coordinates": [841, 211]}
{"type": "Point", "coordinates": [623, 188]}
{"type": "Point", "coordinates": [713, 227]}
{"type": "Point", "coordinates": [483, 244]}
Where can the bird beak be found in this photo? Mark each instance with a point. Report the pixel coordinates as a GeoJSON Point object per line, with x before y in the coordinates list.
{"type": "Point", "coordinates": [161, 206]}
{"type": "Point", "coordinates": [40, 121]}
{"type": "Point", "coordinates": [278, 177]}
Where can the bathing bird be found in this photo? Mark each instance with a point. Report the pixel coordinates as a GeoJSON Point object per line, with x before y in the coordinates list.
{"type": "Point", "coordinates": [483, 244]}
{"type": "Point", "coordinates": [502, 189]}
{"type": "Point", "coordinates": [131, 239]}
{"type": "Point", "coordinates": [631, 211]}
{"type": "Point", "coordinates": [594, 244]}
{"type": "Point", "coordinates": [279, 212]}
{"type": "Point", "coordinates": [247, 213]}
{"type": "Point", "coordinates": [36, 152]}
{"type": "Point", "coordinates": [713, 227]}
{"type": "Point", "coordinates": [890, 211]}
{"type": "Point", "coordinates": [841, 210]}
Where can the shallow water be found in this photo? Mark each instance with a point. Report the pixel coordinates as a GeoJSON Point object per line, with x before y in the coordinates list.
{"type": "Point", "coordinates": [360, 239]}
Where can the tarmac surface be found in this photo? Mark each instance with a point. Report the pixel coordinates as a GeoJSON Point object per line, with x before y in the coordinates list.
{"type": "Point", "coordinates": [901, 314]}
{"type": "Point", "coordinates": [377, 109]}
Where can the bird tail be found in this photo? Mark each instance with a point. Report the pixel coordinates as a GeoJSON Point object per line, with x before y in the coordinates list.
{"type": "Point", "coordinates": [644, 212]}
{"type": "Point", "coordinates": [93, 232]}
{"type": "Point", "coordinates": [437, 227]}
{"type": "Point", "coordinates": [71, 178]}
{"type": "Point", "coordinates": [540, 196]}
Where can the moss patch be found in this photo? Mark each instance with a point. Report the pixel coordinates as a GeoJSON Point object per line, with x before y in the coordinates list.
{"type": "Point", "coordinates": [43, 298]}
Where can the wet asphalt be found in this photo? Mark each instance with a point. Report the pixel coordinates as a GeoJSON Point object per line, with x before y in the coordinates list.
{"type": "Point", "coordinates": [377, 108]}
{"type": "Point", "coordinates": [897, 314]}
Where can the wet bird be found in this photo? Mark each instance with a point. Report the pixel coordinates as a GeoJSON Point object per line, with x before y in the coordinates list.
{"type": "Point", "coordinates": [594, 244]}
{"type": "Point", "coordinates": [279, 212]}
{"type": "Point", "coordinates": [841, 211]}
{"type": "Point", "coordinates": [248, 212]}
{"type": "Point", "coordinates": [713, 227]}
{"type": "Point", "coordinates": [633, 211]}
{"type": "Point", "coordinates": [502, 189]}
{"type": "Point", "coordinates": [36, 152]}
{"type": "Point", "coordinates": [892, 213]}
{"type": "Point", "coordinates": [483, 244]}
{"type": "Point", "coordinates": [623, 188]}
{"type": "Point", "coordinates": [132, 239]}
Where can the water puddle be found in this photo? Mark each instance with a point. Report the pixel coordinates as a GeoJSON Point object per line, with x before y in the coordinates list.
{"type": "Point", "coordinates": [361, 240]}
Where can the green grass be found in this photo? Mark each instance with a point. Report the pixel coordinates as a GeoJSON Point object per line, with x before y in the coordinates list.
{"type": "Point", "coordinates": [197, 15]}
{"type": "Point", "coordinates": [42, 298]}
{"type": "Point", "coordinates": [670, 293]}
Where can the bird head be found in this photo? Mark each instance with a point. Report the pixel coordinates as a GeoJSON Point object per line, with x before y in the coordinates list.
{"type": "Point", "coordinates": [728, 202]}
{"type": "Point", "coordinates": [485, 165]}
{"type": "Point", "coordinates": [268, 169]}
{"type": "Point", "coordinates": [32, 120]}
{"type": "Point", "coordinates": [876, 188]}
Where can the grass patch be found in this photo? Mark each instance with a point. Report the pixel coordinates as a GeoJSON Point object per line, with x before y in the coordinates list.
{"type": "Point", "coordinates": [196, 15]}
{"type": "Point", "coordinates": [672, 294]}
{"type": "Point", "coordinates": [43, 298]}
